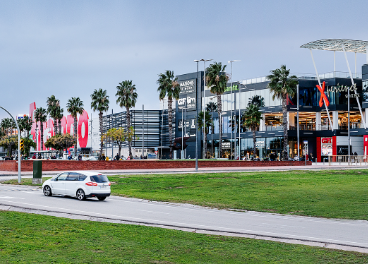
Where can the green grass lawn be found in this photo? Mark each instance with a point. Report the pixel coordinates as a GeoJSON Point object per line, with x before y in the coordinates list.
{"type": "Point", "coordinates": [30, 238]}
{"type": "Point", "coordinates": [325, 193]}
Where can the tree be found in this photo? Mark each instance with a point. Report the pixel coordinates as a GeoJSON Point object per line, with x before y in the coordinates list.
{"type": "Point", "coordinates": [75, 107]}
{"type": "Point", "coordinates": [61, 142]}
{"type": "Point", "coordinates": [100, 102]}
{"type": "Point", "coordinates": [217, 79]}
{"type": "Point", "coordinates": [28, 143]}
{"type": "Point", "coordinates": [40, 116]}
{"type": "Point", "coordinates": [212, 107]}
{"type": "Point", "coordinates": [116, 135]}
{"type": "Point", "coordinates": [129, 135]}
{"type": "Point", "coordinates": [204, 120]}
{"type": "Point", "coordinates": [9, 142]}
{"type": "Point", "coordinates": [282, 86]}
{"type": "Point", "coordinates": [252, 118]}
{"type": "Point", "coordinates": [7, 124]}
{"type": "Point", "coordinates": [25, 124]}
{"type": "Point", "coordinates": [168, 86]}
{"type": "Point", "coordinates": [257, 100]}
{"type": "Point", "coordinates": [59, 115]}
{"type": "Point", "coordinates": [53, 109]}
{"type": "Point", "coordinates": [127, 97]}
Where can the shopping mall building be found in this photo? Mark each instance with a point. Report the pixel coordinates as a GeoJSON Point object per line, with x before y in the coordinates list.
{"type": "Point", "coordinates": [323, 128]}
{"type": "Point", "coordinates": [323, 131]}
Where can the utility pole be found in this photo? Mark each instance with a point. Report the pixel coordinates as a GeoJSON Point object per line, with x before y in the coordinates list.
{"type": "Point", "coordinates": [142, 130]}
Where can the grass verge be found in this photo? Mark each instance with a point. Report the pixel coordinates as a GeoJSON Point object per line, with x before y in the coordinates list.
{"type": "Point", "coordinates": [30, 238]}
{"type": "Point", "coordinates": [325, 193]}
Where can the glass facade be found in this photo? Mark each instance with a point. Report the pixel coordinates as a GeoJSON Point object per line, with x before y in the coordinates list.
{"type": "Point", "coordinates": [313, 119]}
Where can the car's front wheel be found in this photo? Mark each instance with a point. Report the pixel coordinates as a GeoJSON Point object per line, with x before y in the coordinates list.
{"type": "Point", "coordinates": [47, 191]}
{"type": "Point", "coordinates": [101, 198]}
{"type": "Point", "coordinates": [81, 195]}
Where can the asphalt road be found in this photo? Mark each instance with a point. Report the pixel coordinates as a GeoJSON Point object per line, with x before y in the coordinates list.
{"type": "Point", "coordinates": [340, 234]}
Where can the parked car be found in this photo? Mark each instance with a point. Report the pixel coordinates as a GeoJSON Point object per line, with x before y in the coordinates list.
{"type": "Point", "coordinates": [79, 184]}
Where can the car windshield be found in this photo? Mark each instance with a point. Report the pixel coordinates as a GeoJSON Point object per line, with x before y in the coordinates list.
{"type": "Point", "coordinates": [99, 178]}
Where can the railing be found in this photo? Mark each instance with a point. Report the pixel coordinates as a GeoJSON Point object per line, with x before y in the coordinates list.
{"type": "Point", "coordinates": [345, 160]}
{"type": "Point", "coordinates": [308, 76]}
{"type": "Point", "coordinates": [274, 128]}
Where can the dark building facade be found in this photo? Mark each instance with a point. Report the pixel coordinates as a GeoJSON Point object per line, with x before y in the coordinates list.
{"type": "Point", "coordinates": [316, 138]}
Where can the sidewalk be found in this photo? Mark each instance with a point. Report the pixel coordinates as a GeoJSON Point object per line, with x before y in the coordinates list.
{"type": "Point", "coordinates": [315, 166]}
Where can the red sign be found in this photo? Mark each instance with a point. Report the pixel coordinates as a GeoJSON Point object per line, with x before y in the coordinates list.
{"type": "Point", "coordinates": [326, 140]}
{"type": "Point", "coordinates": [323, 96]}
{"type": "Point", "coordinates": [66, 124]}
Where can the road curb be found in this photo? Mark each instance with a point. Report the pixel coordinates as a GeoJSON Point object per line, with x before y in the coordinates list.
{"type": "Point", "coordinates": [329, 245]}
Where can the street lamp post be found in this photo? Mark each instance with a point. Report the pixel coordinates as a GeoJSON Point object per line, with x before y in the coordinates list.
{"type": "Point", "coordinates": [196, 121]}
{"type": "Point", "coordinates": [19, 157]}
{"type": "Point", "coordinates": [231, 111]}
{"type": "Point", "coordinates": [182, 132]}
{"type": "Point", "coordinates": [204, 102]}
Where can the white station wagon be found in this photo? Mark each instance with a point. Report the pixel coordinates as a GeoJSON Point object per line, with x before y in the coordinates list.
{"type": "Point", "coordinates": [80, 184]}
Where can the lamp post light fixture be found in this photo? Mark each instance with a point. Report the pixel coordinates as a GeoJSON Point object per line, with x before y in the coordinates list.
{"type": "Point", "coordinates": [19, 156]}
{"type": "Point", "coordinates": [196, 122]}
{"type": "Point", "coordinates": [204, 102]}
{"type": "Point", "coordinates": [231, 111]}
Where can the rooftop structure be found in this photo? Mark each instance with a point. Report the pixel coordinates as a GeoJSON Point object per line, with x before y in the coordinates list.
{"type": "Point", "coordinates": [357, 46]}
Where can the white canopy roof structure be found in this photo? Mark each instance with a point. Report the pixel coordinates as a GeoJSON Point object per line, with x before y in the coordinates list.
{"type": "Point", "coordinates": [357, 46]}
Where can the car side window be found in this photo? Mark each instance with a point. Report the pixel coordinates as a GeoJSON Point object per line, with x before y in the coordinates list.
{"type": "Point", "coordinates": [72, 176]}
{"type": "Point", "coordinates": [62, 177]}
{"type": "Point", "coordinates": [82, 177]}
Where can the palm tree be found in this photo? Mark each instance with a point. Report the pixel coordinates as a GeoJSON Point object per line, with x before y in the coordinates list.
{"type": "Point", "coordinates": [75, 107]}
{"type": "Point", "coordinates": [168, 86]}
{"type": "Point", "coordinates": [127, 97]}
{"type": "Point", "coordinates": [252, 118]}
{"type": "Point", "coordinates": [25, 124]}
{"type": "Point", "coordinates": [100, 102]}
{"type": "Point", "coordinates": [204, 121]}
{"type": "Point", "coordinates": [59, 115]}
{"type": "Point", "coordinates": [7, 125]}
{"type": "Point", "coordinates": [217, 80]}
{"type": "Point", "coordinates": [257, 100]}
{"type": "Point", "coordinates": [53, 109]}
{"type": "Point", "coordinates": [40, 116]}
{"type": "Point", "coordinates": [282, 86]}
{"type": "Point", "coordinates": [212, 107]}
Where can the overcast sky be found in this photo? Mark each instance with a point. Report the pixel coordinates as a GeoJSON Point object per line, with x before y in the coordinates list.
{"type": "Point", "coordinates": [69, 48]}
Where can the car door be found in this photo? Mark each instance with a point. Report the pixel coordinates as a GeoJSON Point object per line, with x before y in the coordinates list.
{"type": "Point", "coordinates": [72, 184]}
{"type": "Point", "coordinates": [58, 184]}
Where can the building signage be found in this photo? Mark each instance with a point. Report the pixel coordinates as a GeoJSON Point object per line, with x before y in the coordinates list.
{"type": "Point", "coordinates": [343, 150]}
{"type": "Point", "coordinates": [235, 88]}
{"type": "Point", "coordinates": [189, 127]}
{"type": "Point", "coordinates": [260, 144]}
{"type": "Point", "coordinates": [67, 126]}
{"type": "Point", "coordinates": [323, 96]}
{"type": "Point", "coordinates": [225, 145]}
{"type": "Point", "coordinates": [336, 89]}
{"type": "Point", "coordinates": [187, 97]}
{"type": "Point", "coordinates": [188, 86]}
{"type": "Point", "coordinates": [344, 89]}
{"type": "Point", "coordinates": [326, 146]}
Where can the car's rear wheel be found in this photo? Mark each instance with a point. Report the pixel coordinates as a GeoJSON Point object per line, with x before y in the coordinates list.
{"type": "Point", "coordinates": [101, 198]}
{"type": "Point", "coordinates": [81, 195]}
{"type": "Point", "coordinates": [47, 191]}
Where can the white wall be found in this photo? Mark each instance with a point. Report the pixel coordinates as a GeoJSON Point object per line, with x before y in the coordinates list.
{"type": "Point", "coordinates": [356, 143]}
